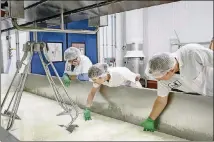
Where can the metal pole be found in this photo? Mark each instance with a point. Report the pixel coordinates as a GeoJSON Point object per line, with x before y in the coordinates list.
{"type": "Point", "coordinates": [62, 19]}
{"type": "Point", "coordinates": [1, 61]}
{"type": "Point", "coordinates": [35, 39]}
{"type": "Point", "coordinates": [17, 49]}
{"type": "Point", "coordinates": [112, 37]}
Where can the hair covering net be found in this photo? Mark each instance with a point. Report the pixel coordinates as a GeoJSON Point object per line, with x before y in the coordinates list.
{"type": "Point", "coordinates": [97, 70]}
{"type": "Point", "coordinates": [71, 53]}
{"type": "Point", "coordinates": [160, 64]}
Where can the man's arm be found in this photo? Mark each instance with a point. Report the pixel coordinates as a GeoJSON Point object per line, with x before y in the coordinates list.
{"type": "Point", "coordinates": [161, 100]}
{"type": "Point", "coordinates": [91, 96]}
{"type": "Point", "coordinates": [158, 107]}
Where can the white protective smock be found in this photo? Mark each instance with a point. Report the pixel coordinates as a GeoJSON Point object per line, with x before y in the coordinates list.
{"type": "Point", "coordinates": [121, 76]}
{"type": "Point", "coordinates": [82, 68]}
{"type": "Point", "coordinates": [196, 72]}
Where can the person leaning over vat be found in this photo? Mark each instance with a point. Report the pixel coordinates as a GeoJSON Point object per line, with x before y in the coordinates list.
{"type": "Point", "coordinates": [195, 65]}
{"type": "Point", "coordinates": [76, 66]}
{"type": "Point", "coordinates": [101, 74]}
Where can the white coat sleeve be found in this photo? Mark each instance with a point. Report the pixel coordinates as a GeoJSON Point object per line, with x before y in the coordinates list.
{"type": "Point", "coordinates": [162, 89]}
{"type": "Point", "coordinates": [129, 75]}
{"type": "Point", "coordinates": [86, 65]}
{"type": "Point", "coordinates": [204, 56]}
{"type": "Point", "coordinates": [66, 67]}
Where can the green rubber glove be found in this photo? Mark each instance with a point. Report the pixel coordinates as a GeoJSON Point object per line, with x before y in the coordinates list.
{"type": "Point", "coordinates": [66, 80]}
{"type": "Point", "coordinates": [87, 114]}
{"type": "Point", "coordinates": [149, 125]}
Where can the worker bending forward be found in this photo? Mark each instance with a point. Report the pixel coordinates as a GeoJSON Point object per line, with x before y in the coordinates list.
{"type": "Point", "coordinates": [189, 69]}
{"type": "Point", "coordinates": [76, 66]}
{"type": "Point", "coordinates": [101, 74]}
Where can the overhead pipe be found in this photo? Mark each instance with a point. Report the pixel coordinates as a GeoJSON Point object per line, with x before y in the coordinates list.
{"type": "Point", "coordinates": [38, 29]}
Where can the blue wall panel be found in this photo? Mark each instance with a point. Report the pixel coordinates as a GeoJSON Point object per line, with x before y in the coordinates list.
{"type": "Point", "coordinates": [89, 40]}
{"type": "Point", "coordinates": [36, 65]}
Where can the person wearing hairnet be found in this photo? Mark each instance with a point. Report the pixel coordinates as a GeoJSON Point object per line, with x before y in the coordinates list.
{"type": "Point", "coordinates": [101, 74]}
{"type": "Point", "coordinates": [76, 66]}
{"type": "Point", "coordinates": [189, 69]}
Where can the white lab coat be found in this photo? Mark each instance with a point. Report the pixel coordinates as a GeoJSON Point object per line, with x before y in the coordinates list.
{"type": "Point", "coordinates": [121, 76]}
{"type": "Point", "coordinates": [82, 68]}
{"type": "Point", "coordinates": [196, 71]}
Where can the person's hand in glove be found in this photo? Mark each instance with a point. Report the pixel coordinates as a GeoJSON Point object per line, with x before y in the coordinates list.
{"type": "Point", "coordinates": [66, 80]}
{"type": "Point", "coordinates": [149, 125]}
{"type": "Point", "coordinates": [87, 114]}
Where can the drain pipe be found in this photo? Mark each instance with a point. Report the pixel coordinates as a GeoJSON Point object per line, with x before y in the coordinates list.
{"type": "Point", "coordinates": [18, 63]}
{"type": "Point", "coordinates": [62, 19]}
{"type": "Point", "coordinates": [9, 52]}
{"type": "Point", "coordinates": [112, 36]}
{"type": "Point", "coordinates": [37, 29]}
{"type": "Point", "coordinates": [115, 56]}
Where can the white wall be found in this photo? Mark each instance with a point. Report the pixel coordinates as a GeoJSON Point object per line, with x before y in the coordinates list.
{"type": "Point", "coordinates": [23, 38]}
{"type": "Point", "coordinates": [154, 26]}
{"type": "Point", "coordinates": [134, 26]}
{"type": "Point", "coordinates": [192, 20]}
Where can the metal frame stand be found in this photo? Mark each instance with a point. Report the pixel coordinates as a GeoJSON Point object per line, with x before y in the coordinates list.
{"type": "Point", "coordinates": [40, 47]}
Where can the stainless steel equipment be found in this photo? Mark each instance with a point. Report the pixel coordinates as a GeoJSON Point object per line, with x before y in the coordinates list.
{"type": "Point", "coordinates": [134, 57]}
{"type": "Point", "coordinates": [183, 116]}
{"type": "Point", "coordinates": [60, 93]}
{"type": "Point", "coordinates": [110, 61]}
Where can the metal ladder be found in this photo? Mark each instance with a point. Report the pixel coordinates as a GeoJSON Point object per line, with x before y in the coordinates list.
{"type": "Point", "coordinates": [29, 48]}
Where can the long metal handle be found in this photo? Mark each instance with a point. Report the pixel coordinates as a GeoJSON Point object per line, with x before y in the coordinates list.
{"type": "Point", "coordinates": [61, 84]}
{"type": "Point", "coordinates": [19, 95]}
{"type": "Point", "coordinates": [55, 71]}
{"type": "Point", "coordinates": [11, 83]}
{"type": "Point", "coordinates": [51, 82]}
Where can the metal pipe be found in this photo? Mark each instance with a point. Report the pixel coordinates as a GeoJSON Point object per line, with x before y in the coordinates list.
{"type": "Point", "coordinates": [124, 36]}
{"type": "Point", "coordinates": [17, 45]}
{"type": "Point", "coordinates": [9, 52]}
{"type": "Point", "coordinates": [1, 58]}
{"type": "Point", "coordinates": [35, 38]}
{"type": "Point", "coordinates": [17, 49]}
{"type": "Point", "coordinates": [112, 38]}
{"type": "Point", "coordinates": [62, 19]}
{"type": "Point", "coordinates": [106, 36]}
{"type": "Point", "coordinates": [37, 29]}
{"type": "Point", "coordinates": [104, 43]}
{"type": "Point", "coordinates": [182, 44]}
{"type": "Point", "coordinates": [115, 38]}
